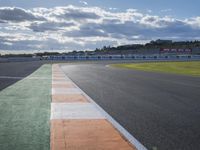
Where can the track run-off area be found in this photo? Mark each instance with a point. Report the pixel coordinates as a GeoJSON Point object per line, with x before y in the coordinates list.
{"type": "Point", "coordinates": [81, 105]}
{"type": "Point", "coordinates": [25, 112]}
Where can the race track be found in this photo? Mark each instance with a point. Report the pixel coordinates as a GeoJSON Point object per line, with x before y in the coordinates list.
{"type": "Point", "coordinates": [14, 71]}
{"type": "Point", "coordinates": [160, 110]}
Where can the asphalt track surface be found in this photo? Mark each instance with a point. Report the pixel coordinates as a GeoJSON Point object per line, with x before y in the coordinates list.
{"type": "Point", "coordinates": [11, 72]}
{"type": "Point", "coordinates": [16, 69]}
{"type": "Point", "coordinates": [161, 110]}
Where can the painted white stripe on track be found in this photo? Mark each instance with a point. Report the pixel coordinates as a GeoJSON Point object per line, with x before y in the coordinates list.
{"type": "Point", "coordinates": [75, 111]}
{"type": "Point", "coordinates": [57, 91]}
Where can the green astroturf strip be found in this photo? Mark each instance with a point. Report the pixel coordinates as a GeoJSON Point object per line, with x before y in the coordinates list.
{"type": "Point", "coordinates": [25, 113]}
{"type": "Point", "coordinates": [185, 68]}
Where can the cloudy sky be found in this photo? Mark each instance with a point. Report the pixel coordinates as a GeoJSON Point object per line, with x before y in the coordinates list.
{"type": "Point", "coordinates": [49, 25]}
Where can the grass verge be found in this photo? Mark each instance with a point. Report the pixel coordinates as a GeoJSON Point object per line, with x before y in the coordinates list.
{"type": "Point", "coordinates": [185, 68]}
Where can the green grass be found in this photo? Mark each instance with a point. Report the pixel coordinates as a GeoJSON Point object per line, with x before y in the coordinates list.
{"type": "Point", "coordinates": [25, 113]}
{"type": "Point", "coordinates": [185, 68]}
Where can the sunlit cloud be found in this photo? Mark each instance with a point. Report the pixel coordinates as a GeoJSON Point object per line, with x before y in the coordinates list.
{"type": "Point", "coordinates": [86, 28]}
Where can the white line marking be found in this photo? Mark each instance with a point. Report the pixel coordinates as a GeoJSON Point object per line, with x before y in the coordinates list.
{"type": "Point", "coordinates": [65, 91]}
{"type": "Point", "coordinates": [61, 82]}
{"type": "Point", "coordinates": [75, 111]}
{"type": "Point", "coordinates": [121, 129]}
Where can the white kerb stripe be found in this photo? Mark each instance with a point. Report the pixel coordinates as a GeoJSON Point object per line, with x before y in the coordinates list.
{"type": "Point", "coordinates": [65, 91]}
{"type": "Point", "coordinates": [75, 111]}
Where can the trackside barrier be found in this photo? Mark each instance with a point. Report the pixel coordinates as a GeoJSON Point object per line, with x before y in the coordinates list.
{"type": "Point", "coordinates": [105, 57]}
{"type": "Point", "coordinates": [18, 59]}
{"type": "Point", "coordinates": [126, 57]}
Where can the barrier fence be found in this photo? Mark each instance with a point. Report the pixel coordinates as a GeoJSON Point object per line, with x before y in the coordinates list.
{"type": "Point", "coordinates": [103, 57]}
{"type": "Point", "coordinates": [124, 57]}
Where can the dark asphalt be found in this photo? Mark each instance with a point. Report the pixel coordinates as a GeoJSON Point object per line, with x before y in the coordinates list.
{"type": "Point", "coordinates": [23, 69]}
{"type": "Point", "coordinates": [160, 110]}
{"type": "Point", "coordinates": [16, 69]}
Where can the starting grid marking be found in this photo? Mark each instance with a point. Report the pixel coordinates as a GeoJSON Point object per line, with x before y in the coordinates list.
{"type": "Point", "coordinates": [78, 123]}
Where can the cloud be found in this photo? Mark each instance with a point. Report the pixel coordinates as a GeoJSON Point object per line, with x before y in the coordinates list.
{"type": "Point", "coordinates": [72, 27]}
{"type": "Point", "coordinates": [75, 13]}
{"type": "Point", "coordinates": [84, 3]}
{"type": "Point", "coordinates": [112, 8]}
{"type": "Point", "coordinates": [79, 15]}
{"type": "Point", "coordinates": [87, 30]}
{"type": "Point", "coordinates": [194, 22]}
{"type": "Point", "coordinates": [17, 15]}
{"type": "Point", "coordinates": [49, 26]}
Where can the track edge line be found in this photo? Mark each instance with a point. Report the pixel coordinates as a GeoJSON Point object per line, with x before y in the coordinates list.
{"type": "Point", "coordinates": [119, 127]}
